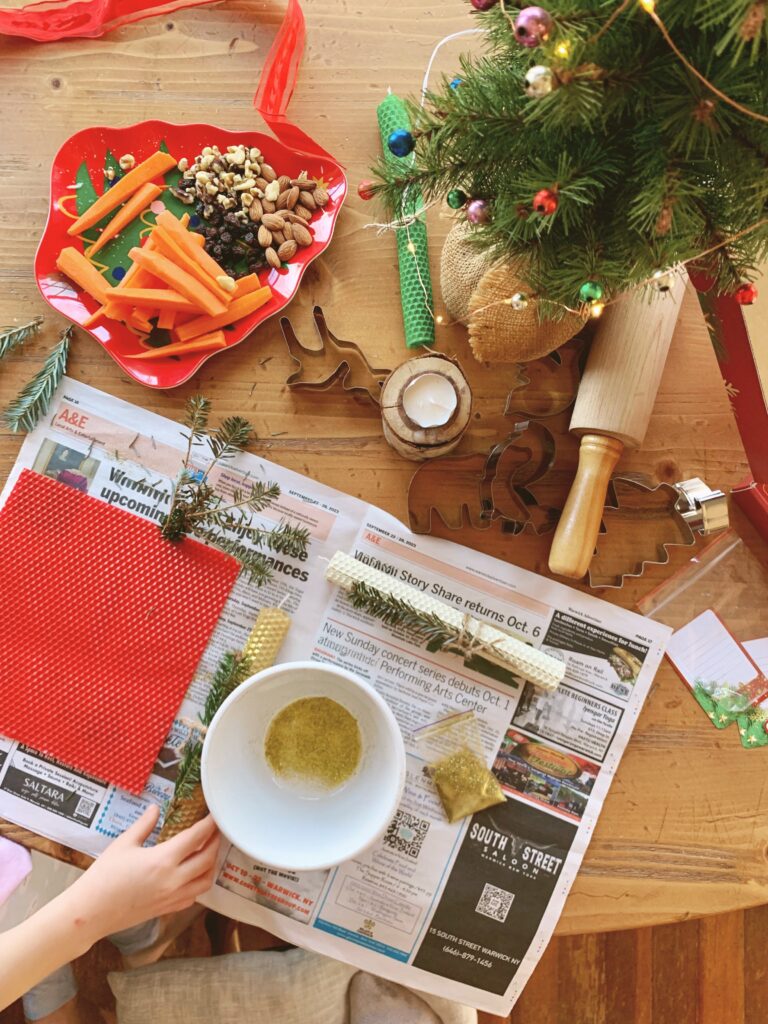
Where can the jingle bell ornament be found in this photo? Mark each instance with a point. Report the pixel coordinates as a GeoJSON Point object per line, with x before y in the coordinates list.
{"type": "Point", "coordinates": [518, 301]}
{"type": "Point", "coordinates": [591, 291]}
{"type": "Point", "coordinates": [365, 189]}
{"type": "Point", "coordinates": [401, 142]}
{"type": "Point", "coordinates": [539, 82]}
{"type": "Point", "coordinates": [478, 212]}
{"type": "Point", "coordinates": [745, 294]}
{"type": "Point", "coordinates": [456, 198]}
{"type": "Point", "coordinates": [533, 26]}
{"type": "Point", "coordinates": [545, 202]}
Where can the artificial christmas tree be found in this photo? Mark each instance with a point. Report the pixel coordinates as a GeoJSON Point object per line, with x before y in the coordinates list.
{"type": "Point", "coordinates": [605, 144]}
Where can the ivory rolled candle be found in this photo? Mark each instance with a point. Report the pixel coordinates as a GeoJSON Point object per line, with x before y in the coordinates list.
{"type": "Point", "coordinates": [532, 664]}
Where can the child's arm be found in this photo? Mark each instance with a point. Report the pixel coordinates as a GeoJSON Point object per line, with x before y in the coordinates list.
{"type": "Point", "coordinates": [128, 884]}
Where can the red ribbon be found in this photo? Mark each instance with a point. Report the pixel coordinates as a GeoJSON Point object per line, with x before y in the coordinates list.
{"type": "Point", "coordinates": [278, 80]}
{"type": "Point", "coordinates": [53, 19]}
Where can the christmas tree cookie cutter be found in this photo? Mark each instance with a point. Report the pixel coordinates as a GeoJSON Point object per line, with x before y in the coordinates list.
{"type": "Point", "coordinates": [336, 360]}
{"type": "Point", "coordinates": [687, 507]}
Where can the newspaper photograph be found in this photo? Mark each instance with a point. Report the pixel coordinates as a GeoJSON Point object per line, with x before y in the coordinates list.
{"type": "Point", "coordinates": [460, 910]}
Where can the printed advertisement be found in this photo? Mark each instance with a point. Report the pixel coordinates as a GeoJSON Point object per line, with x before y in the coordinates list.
{"type": "Point", "coordinates": [462, 910]}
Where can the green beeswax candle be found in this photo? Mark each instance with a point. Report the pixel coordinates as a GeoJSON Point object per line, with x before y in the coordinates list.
{"type": "Point", "coordinates": [412, 252]}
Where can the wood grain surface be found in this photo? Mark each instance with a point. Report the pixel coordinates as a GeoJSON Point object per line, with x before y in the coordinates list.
{"type": "Point", "coordinates": [684, 831]}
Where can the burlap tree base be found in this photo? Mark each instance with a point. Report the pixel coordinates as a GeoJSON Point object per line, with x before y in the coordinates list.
{"type": "Point", "coordinates": [474, 290]}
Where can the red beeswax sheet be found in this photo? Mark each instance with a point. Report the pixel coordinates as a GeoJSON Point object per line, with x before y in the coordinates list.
{"type": "Point", "coordinates": [103, 624]}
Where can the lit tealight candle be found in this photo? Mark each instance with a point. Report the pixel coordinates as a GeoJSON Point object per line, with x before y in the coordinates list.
{"type": "Point", "coordinates": [430, 400]}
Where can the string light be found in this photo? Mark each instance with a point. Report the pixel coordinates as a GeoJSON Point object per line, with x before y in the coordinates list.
{"type": "Point", "coordinates": [596, 309]}
{"type": "Point", "coordinates": [648, 5]}
{"type": "Point", "coordinates": [563, 50]}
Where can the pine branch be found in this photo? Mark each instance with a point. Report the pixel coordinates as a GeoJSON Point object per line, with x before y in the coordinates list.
{"type": "Point", "coordinates": [230, 672]}
{"type": "Point", "coordinates": [11, 337]}
{"type": "Point", "coordinates": [395, 612]}
{"type": "Point", "coordinates": [33, 400]}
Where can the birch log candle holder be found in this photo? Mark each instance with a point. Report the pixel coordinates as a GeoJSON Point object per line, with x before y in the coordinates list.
{"type": "Point", "coordinates": [426, 404]}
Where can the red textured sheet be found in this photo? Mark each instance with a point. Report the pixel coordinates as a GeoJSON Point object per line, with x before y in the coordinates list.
{"type": "Point", "coordinates": [103, 623]}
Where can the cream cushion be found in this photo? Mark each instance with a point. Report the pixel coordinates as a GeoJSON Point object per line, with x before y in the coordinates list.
{"type": "Point", "coordinates": [294, 987]}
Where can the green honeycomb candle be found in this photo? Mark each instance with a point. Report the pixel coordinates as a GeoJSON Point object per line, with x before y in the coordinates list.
{"type": "Point", "coordinates": [412, 252]}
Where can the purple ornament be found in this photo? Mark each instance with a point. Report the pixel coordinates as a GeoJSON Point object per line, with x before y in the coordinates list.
{"type": "Point", "coordinates": [478, 212]}
{"type": "Point", "coordinates": [533, 26]}
{"type": "Point", "coordinates": [483, 5]}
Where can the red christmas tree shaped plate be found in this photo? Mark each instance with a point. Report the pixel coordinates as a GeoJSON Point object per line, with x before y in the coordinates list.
{"type": "Point", "coordinates": [79, 176]}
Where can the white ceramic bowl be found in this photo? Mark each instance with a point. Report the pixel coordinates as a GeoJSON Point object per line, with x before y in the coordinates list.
{"type": "Point", "coordinates": [276, 824]}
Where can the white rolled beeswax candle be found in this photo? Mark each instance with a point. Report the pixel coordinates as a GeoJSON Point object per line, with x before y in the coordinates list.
{"type": "Point", "coordinates": [532, 664]}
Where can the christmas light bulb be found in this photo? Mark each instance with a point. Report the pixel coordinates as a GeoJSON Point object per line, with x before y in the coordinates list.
{"type": "Point", "coordinates": [438, 319]}
{"type": "Point", "coordinates": [596, 309]}
{"type": "Point", "coordinates": [648, 5]}
{"type": "Point", "coordinates": [563, 50]}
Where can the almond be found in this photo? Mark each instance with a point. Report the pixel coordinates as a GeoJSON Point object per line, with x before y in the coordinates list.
{"type": "Point", "coordinates": [256, 208]}
{"type": "Point", "coordinates": [264, 236]}
{"type": "Point", "coordinates": [269, 207]}
{"type": "Point", "coordinates": [320, 196]}
{"type": "Point", "coordinates": [284, 182]}
{"type": "Point", "coordinates": [302, 234]}
{"type": "Point", "coordinates": [282, 199]}
{"type": "Point", "coordinates": [308, 200]}
{"type": "Point", "coordinates": [293, 197]}
{"type": "Point", "coordinates": [277, 238]}
{"type": "Point", "coordinates": [268, 172]}
{"type": "Point", "coordinates": [288, 232]}
{"type": "Point", "coordinates": [287, 250]}
{"type": "Point", "coordinates": [273, 221]}
{"type": "Point", "coordinates": [306, 183]}
{"type": "Point", "coordinates": [272, 258]}
{"type": "Point", "coordinates": [302, 212]}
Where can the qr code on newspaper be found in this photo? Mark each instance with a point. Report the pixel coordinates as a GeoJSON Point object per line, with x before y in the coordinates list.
{"type": "Point", "coordinates": [406, 834]}
{"type": "Point", "coordinates": [494, 903]}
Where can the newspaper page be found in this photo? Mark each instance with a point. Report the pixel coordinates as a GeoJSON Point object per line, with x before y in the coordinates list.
{"type": "Point", "coordinates": [460, 910]}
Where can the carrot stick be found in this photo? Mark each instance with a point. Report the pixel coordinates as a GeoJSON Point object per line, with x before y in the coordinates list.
{"type": "Point", "coordinates": [244, 285]}
{"type": "Point", "coordinates": [197, 238]}
{"type": "Point", "coordinates": [83, 273]}
{"type": "Point", "coordinates": [132, 209]}
{"type": "Point", "coordinates": [167, 221]}
{"type": "Point", "coordinates": [152, 299]}
{"type": "Point", "coordinates": [213, 340]}
{"type": "Point", "coordinates": [138, 322]}
{"type": "Point", "coordinates": [168, 246]}
{"type": "Point", "coordinates": [241, 307]}
{"type": "Point", "coordinates": [167, 319]}
{"type": "Point", "coordinates": [123, 188]}
{"type": "Point", "coordinates": [179, 280]}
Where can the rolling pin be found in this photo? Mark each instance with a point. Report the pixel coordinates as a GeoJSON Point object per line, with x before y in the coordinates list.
{"type": "Point", "coordinates": [612, 410]}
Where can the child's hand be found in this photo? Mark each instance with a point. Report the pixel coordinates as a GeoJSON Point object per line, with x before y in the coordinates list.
{"type": "Point", "coordinates": [129, 884]}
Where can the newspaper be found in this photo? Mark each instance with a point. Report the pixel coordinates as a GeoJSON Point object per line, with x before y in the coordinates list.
{"type": "Point", "coordinates": [460, 910]}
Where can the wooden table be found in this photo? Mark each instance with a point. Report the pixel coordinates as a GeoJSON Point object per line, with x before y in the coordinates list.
{"type": "Point", "coordinates": [684, 831]}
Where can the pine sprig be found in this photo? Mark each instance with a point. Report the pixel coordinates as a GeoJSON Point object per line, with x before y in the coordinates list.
{"type": "Point", "coordinates": [33, 400]}
{"type": "Point", "coordinates": [12, 337]}
{"type": "Point", "coordinates": [393, 611]}
{"type": "Point", "coordinates": [227, 523]}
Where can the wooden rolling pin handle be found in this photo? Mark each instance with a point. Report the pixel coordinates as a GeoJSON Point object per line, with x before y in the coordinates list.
{"type": "Point", "coordinates": [576, 534]}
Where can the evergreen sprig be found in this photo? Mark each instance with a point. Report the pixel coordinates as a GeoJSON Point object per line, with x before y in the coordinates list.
{"type": "Point", "coordinates": [33, 400]}
{"type": "Point", "coordinates": [12, 337]}
{"type": "Point", "coordinates": [650, 167]}
{"type": "Point", "coordinates": [227, 523]}
{"type": "Point", "coordinates": [393, 611]}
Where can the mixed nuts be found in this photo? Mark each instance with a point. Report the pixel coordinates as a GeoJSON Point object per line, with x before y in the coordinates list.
{"type": "Point", "coordinates": [251, 216]}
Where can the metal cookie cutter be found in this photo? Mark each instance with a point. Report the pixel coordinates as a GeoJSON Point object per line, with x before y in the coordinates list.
{"type": "Point", "coordinates": [702, 508]}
